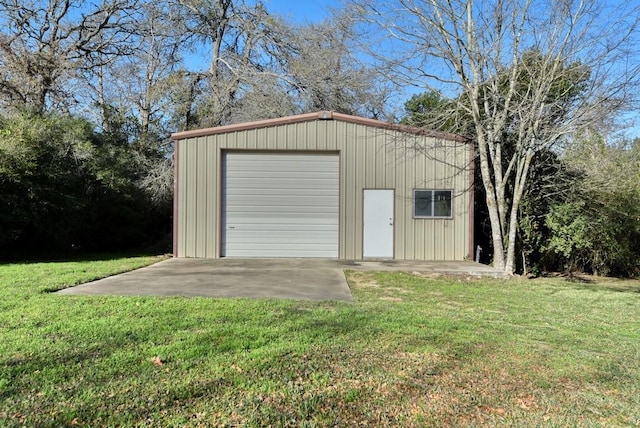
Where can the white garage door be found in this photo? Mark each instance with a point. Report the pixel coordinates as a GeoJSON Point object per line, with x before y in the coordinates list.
{"type": "Point", "coordinates": [280, 205]}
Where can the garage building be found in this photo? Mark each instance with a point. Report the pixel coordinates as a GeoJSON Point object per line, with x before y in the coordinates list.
{"type": "Point", "coordinates": [323, 185]}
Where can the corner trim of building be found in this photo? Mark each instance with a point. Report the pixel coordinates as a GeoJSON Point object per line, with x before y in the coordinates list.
{"type": "Point", "coordinates": [175, 197]}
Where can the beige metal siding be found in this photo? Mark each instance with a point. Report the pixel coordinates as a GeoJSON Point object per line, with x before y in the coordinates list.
{"type": "Point", "coordinates": [369, 157]}
{"type": "Point", "coordinates": [196, 191]}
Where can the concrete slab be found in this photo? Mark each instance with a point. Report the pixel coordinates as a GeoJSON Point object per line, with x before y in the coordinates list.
{"type": "Point", "coordinates": [314, 279]}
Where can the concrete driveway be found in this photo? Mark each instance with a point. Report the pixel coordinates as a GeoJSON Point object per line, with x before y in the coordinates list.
{"type": "Point", "coordinates": [314, 279]}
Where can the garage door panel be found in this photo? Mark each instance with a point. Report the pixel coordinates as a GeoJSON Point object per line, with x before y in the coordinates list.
{"type": "Point", "coordinates": [286, 241]}
{"type": "Point", "coordinates": [283, 235]}
{"type": "Point", "coordinates": [246, 192]}
{"type": "Point", "coordinates": [275, 253]}
{"type": "Point", "coordinates": [251, 225]}
{"type": "Point", "coordinates": [258, 205]}
{"type": "Point", "coordinates": [301, 213]}
{"type": "Point", "coordinates": [266, 218]}
{"type": "Point", "coordinates": [280, 160]}
{"type": "Point", "coordinates": [291, 183]}
{"type": "Point", "coordinates": [266, 202]}
{"type": "Point", "coordinates": [280, 205]}
{"type": "Point", "coordinates": [282, 229]}
{"type": "Point", "coordinates": [279, 172]}
{"type": "Point", "coordinates": [268, 207]}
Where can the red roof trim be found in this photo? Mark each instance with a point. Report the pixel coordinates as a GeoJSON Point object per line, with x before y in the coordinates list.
{"type": "Point", "coordinates": [321, 115]}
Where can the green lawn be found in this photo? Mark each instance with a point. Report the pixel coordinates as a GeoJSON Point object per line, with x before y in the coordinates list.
{"type": "Point", "coordinates": [410, 351]}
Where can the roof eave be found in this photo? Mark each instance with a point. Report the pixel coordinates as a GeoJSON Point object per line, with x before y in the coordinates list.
{"type": "Point", "coordinates": [321, 115]}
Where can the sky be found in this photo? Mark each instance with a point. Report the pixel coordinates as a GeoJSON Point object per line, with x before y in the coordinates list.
{"type": "Point", "coordinates": [313, 11]}
{"type": "Point", "coordinates": [300, 11]}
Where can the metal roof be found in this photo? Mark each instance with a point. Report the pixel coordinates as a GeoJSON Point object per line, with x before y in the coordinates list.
{"type": "Point", "coordinates": [321, 115]}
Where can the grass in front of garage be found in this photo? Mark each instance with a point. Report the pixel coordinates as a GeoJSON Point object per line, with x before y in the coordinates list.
{"type": "Point", "coordinates": [411, 351]}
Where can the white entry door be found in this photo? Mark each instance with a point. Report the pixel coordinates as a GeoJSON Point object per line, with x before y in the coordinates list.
{"type": "Point", "coordinates": [378, 223]}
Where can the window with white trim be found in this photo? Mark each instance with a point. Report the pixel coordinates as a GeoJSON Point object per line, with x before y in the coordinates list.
{"type": "Point", "coordinates": [431, 203]}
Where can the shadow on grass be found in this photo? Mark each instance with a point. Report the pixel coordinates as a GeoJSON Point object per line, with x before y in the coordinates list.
{"type": "Point", "coordinates": [77, 257]}
{"type": "Point", "coordinates": [617, 288]}
{"type": "Point", "coordinates": [595, 283]}
{"type": "Point", "coordinates": [105, 358]}
{"type": "Point", "coordinates": [579, 279]}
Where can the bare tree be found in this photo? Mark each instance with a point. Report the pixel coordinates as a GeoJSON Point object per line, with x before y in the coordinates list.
{"type": "Point", "coordinates": [312, 67]}
{"type": "Point", "coordinates": [326, 73]}
{"type": "Point", "coordinates": [260, 66]}
{"type": "Point", "coordinates": [233, 38]}
{"type": "Point", "coordinates": [266, 96]}
{"type": "Point", "coordinates": [512, 66]}
{"type": "Point", "coordinates": [137, 85]}
{"type": "Point", "coordinates": [45, 44]}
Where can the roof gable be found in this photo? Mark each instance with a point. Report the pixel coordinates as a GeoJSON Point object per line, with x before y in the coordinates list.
{"type": "Point", "coordinates": [307, 117]}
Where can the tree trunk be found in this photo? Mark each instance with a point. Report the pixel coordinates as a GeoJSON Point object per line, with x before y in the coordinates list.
{"type": "Point", "coordinates": [519, 186]}
{"type": "Point", "coordinates": [492, 206]}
